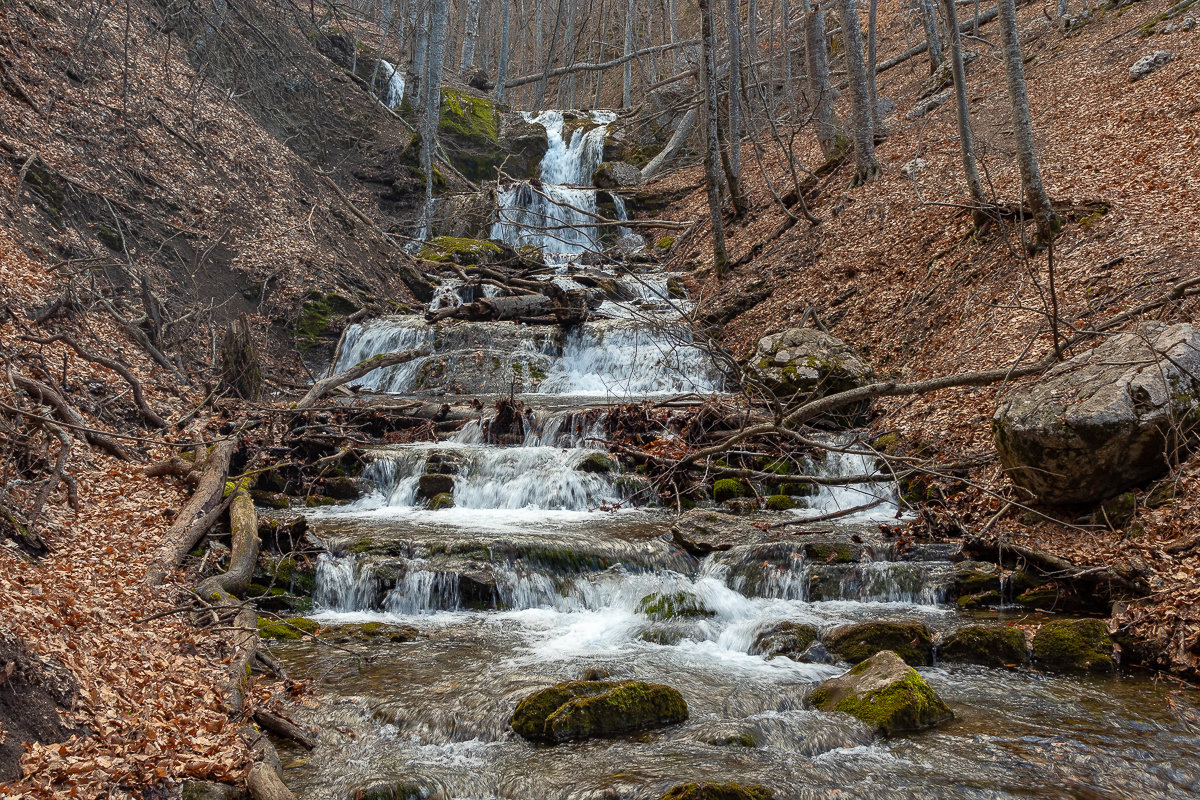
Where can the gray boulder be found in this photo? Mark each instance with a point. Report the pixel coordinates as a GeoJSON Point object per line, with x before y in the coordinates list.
{"type": "Point", "coordinates": [617, 175]}
{"type": "Point", "coordinates": [1149, 63]}
{"type": "Point", "coordinates": [806, 363]}
{"type": "Point", "coordinates": [700, 532]}
{"type": "Point", "coordinates": [1102, 421]}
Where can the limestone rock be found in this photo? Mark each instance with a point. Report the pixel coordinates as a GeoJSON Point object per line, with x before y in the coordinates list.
{"type": "Point", "coordinates": [911, 168]}
{"type": "Point", "coordinates": [943, 76]}
{"type": "Point", "coordinates": [617, 175]}
{"type": "Point", "coordinates": [858, 642]}
{"type": "Point", "coordinates": [811, 364]}
{"type": "Point", "coordinates": [990, 645]}
{"type": "Point", "coordinates": [586, 709]}
{"type": "Point", "coordinates": [700, 532]}
{"type": "Point", "coordinates": [1149, 63]}
{"type": "Point", "coordinates": [1074, 645]}
{"type": "Point", "coordinates": [885, 693]}
{"type": "Point", "coordinates": [924, 107]}
{"type": "Point", "coordinates": [1100, 422]}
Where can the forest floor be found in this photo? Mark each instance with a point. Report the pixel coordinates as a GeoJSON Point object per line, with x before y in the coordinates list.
{"type": "Point", "coordinates": [896, 270]}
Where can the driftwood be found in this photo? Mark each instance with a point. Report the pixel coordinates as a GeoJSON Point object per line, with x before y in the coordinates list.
{"type": "Point", "coordinates": [497, 308]}
{"type": "Point", "coordinates": [285, 728]}
{"type": "Point", "coordinates": [264, 783]}
{"type": "Point", "coordinates": [243, 523]}
{"type": "Point", "coordinates": [326, 385]}
{"type": "Point", "coordinates": [198, 513]}
{"type": "Point", "coordinates": [42, 392]}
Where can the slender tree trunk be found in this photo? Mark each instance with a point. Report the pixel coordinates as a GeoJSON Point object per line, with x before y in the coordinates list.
{"type": "Point", "coordinates": [467, 58]}
{"type": "Point", "coordinates": [866, 166]}
{"type": "Point", "coordinates": [677, 62]}
{"type": "Point", "coordinates": [932, 36]}
{"type": "Point", "coordinates": [872, 30]}
{"type": "Point", "coordinates": [820, 90]}
{"type": "Point", "coordinates": [420, 50]}
{"type": "Point", "coordinates": [734, 173]}
{"type": "Point", "coordinates": [789, 87]}
{"type": "Point", "coordinates": [435, 58]}
{"type": "Point", "coordinates": [974, 185]}
{"type": "Point", "coordinates": [502, 70]}
{"type": "Point", "coordinates": [627, 86]}
{"type": "Point", "coordinates": [1047, 221]}
{"type": "Point", "coordinates": [712, 167]}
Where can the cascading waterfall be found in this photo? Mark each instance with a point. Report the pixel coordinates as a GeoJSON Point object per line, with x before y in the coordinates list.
{"type": "Point", "coordinates": [392, 80]}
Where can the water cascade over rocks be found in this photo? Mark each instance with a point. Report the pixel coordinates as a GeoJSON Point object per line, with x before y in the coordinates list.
{"type": "Point", "coordinates": [530, 559]}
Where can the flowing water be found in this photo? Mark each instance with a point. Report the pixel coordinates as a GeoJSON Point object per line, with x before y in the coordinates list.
{"type": "Point", "coordinates": [537, 572]}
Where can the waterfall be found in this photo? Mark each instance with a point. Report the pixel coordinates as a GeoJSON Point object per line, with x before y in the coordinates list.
{"type": "Point", "coordinates": [393, 84]}
{"type": "Point", "coordinates": [559, 214]}
{"type": "Point", "coordinates": [833, 498]}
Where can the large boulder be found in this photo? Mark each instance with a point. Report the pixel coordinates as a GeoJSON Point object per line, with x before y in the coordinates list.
{"type": "Point", "coordinates": [700, 532]}
{"type": "Point", "coordinates": [990, 645]}
{"type": "Point", "coordinates": [858, 642]}
{"type": "Point", "coordinates": [616, 175]}
{"type": "Point", "coordinates": [885, 693]}
{"type": "Point", "coordinates": [586, 709]}
{"type": "Point", "coordinates": [1074, 645]}
{"type": "Point", "coordinates": [525, 143]}
{"type": "Point", "coordinates": [790, 639]}
{"type": "Point", "coordinates": [1103, 421]}
{"type": "Point", "coordinates": [806, 363]}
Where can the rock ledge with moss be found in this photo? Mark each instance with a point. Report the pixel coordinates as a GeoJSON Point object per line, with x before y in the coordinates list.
{"type": "Point", "coordinates": [588, 709]}
{"type": "Point", "coordinates": [885, 693]}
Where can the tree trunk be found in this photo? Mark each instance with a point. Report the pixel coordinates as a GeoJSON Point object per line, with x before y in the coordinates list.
{"type": "Point", "coordinates": [866, 166]}
{"type": "Point", "coordinates": [467, 59]}
{"type": "Point", "coordinates": [872, 37]}
{"type": "Point", "coordinates": [1047, 221]}
{"type": "Point", "coordinates": [241, 372]}
{"type": "Point", "coordinates": [734, 172]}
{"type": "Point", "coordinates": [420, 24]}
{"type": "Point", "coordinates": [932, 36]}
{"type": "Point", "coordinates": [964, 116]}
{"type": "Point", "coordinates": [678, 140]}
{"type": "Point", "coordinates": [502, 71]}
{"type": "Point", "coordinates": [627, 78]}
{"type": "Point", "coordinates": [820, 90]}
{"type": "Point", "coordinates": [436, 56]}
{"type": "Point", "coordinates": [712, 166]}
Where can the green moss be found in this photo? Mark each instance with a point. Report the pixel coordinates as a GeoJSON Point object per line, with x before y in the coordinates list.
{"type": "Point", "coordinates": [989, 645]}
{"type": "Point", "coordinates": [598, 463]}
{"type": "Point", "coordinates": [626, 707]}
{"type": "Point", "coordinates": [1045, 597]}
{"type": "Point", "coordinates": [316, 316]}
{"type": "Point", "coordinates": [669, 605]}
{"type": "Point", "coordinates": [1074, 645]}
{"type": "Point", "coordinates": [468, 252]}
{"type": "Point", "coordinates": [288, 573]}
{"type": "Point", "coordinates": [529, 717]}
{"type": "Point", "coordinates": [832, 552]}
{"type": "Point", "coordinates": [718, 791]}
{"type": "Point", "coordinates": [888, 443]}
{"type": "Point", "coordinates": [441, 500]}
{"type": "Point", "coordinates": [780, 502]}
{"type": "Point", "coordinates": [276, 500]}
{"type": "Point", "coordinates": [904, 705]}
{"type": "Point", "coordinates": [290, 628]}
{"type": "Point", "coordinates": [909, 640]}
{"type": "Point", "coordinates": [468, 117]}
{"type": "Point", "coordinates": [727, 489]}
{"type": "Point", "coordinates": [241, 484]}
{"type": "Point", "coordinates": [980, 600]}
{"type": "Point", "coordinates": [665, 242]}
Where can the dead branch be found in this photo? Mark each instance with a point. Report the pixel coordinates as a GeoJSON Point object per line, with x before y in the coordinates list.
{"type": "Point", "coordinates": [42, 392]}
{"type": "Point", "coordinates": [326, 385]}
{"type": "Point", "coordinates": [281, 726]}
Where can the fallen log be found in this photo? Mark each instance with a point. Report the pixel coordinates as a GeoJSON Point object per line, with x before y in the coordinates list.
{"type": "Point", "coordinates": [285, 728]}
{"type": "Point", "coordinates": [198, 513]}
{"type": "Point", "coordinates": [497, 308]}
{"type": "Point", "coordinates": [243, 523]}
{"type": "Point", "coordinates": [42, 392]}
{"type": "Point", "coordinates": [264, 783]}
{"type": "Point", "coordinates": [326, 385]}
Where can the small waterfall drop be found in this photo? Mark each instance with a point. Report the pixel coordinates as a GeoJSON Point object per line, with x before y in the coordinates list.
{"type": "Point", "coordinates": [392, 79]}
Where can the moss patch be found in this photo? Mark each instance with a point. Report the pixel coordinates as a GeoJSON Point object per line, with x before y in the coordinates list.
{"type": "Point", "coordinates": [780, 502]}
{"type": "Point", "coordinates": [466, 252]}
{"type": "Point", "coordinates": [290, 628]}
{"type": "Point", "coordinates": [718, 791]}
{"type": "Point", "coordinates": [1074, 645]}
{"type": "Point", "coordinates": [909, 640]}
{"type": "Point", "coordinates": [905, 705]}
{"type": "Point", "coordinates": [669, 605]}
{"type": "Point", "coordinates": [727, 489]}
{"type": "Point", "coordinates": [989, 645]}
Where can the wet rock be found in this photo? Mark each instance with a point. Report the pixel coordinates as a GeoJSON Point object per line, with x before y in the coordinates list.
{"type": "Point", "coordinates": [285, 629]}
{"type": "Point", "coordinates": [432, 484]}
{"type": "Point", "coordinates": [806, 363]}
{"type": "Point", "coordinates": [341, 488]}
{"type": "Point", "coordinates": [781, 502]}
{"type": "Point", "coordinates": [700, 532]}
{"type": "Point", "coordinates": [1101, 422]}
{"type": "Point", "coordinates": [525, 143]}
{"type": "Point", "coordinates": [370, 632]}
{"type": "Point", "coordinates": [587, 709]}
{"type": "Point", "coordinates": [616, 175]}
{"type": "Point", "coordinates": [990, 645]}
{"type": "Point", "coordinates": [1074, 645]}
{"type": "Point", "coordinates": [595, 674]}
{"type": "Point", "coordinates": [816, 654]}
{"type": "Point", "coordinates": [791, 639]}
{"type": "Point", "coordinates": [597, 463]}
{"type": "Point", "coordinates": [910, 640]}
{"type": "Point", "coordinates": [669, 605]}
{"type": "Point", "coordinates": [885, 693]}
{"type": "Point", "coordinates": [1149, 63]}
{"type": "Point", "coordinates": [441, 500]}
{"type": "Point", "coordinates": [973, 577]}
{"type": "Point", "coordinates": [394, 790]}
{"type": "Point", "coordinates": [718, 791]}
{"type": "Point", "coordinates": [470, 128]}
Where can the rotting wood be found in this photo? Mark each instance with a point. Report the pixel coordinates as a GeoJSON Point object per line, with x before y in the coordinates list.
{"type": "Point", "coordinates": [326, 385]}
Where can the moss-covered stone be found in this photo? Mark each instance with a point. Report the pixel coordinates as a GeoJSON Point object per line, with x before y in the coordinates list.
{"type": "Point", "coordinates": [990, 645]}
{"type": "Point", "coordinates": [585, 709]}
{"type": "Point", "coordinates": [780, 502]}
{"type": "Point", "coordinates": [318, 315]}
{"type": "Point", "coordinates": [1074, 645]}
{"type": "Point", "coordinates": [884, 693]}
{"type": "Point", "coordinates": [974, 577]}
{"type": "Point", "coordinates": [718, 791]}
{"type": "Point", "coordinates": [341, 488]}
{"type": "Point", "coordinates": [598, 463]}
{"type": "Point", "coordinates": [276, 500]}
{"type": "Point", "coordinates": [290, 628]}
{"type": "Point", "coordinates": [787, 638]}
{"type": "Point", "coordinates": [980, 600]}
{"type": "Point", "coordinates": [669, 605]}
{"type": "Point", "coordinates": [855, 643]}
{"type": "Point", "coordinates": [728, 489]}
{"type": "Point", "coordinates": [465, 252]}
{"type": "Point", "coordinates": [832, 552]}
{"type": "Point", "coordinates": [470, 127]}
{"type": "Point", "coordinates": [441, 500]}
{"type": "Point", "coordinates": [369, 632]}
{"type": "Point", "coordinates": [432, 484]}
{"type": "Point", "coordinates": [287, 573]}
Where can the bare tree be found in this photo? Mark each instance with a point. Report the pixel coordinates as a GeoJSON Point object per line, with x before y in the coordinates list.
{"type": "Point", "coordinates": [431, 94]}
{"type": "Point", "coordinates": [964, 116]}
{"type": "Point", "coordinates": [502, 71]}
{"type": "Point", "coordinates": [820, 89]}
{"type": "Point", "coordinates": [866, 166]}
{"type": "Point", "coordinates": [733, 162]}
{"type": "Point", "coordinates": [712, 167]}
{"type": "Point", "coordinates": [470, 33]}
{"type": "Point", "coordinates": [1047, 221]}
{"type": "Point", "coordinates": [932, 37]}
{"type": "Point", "coordinates": [627, 86]}
{"type": "Point", "coordinates": [872, 30]}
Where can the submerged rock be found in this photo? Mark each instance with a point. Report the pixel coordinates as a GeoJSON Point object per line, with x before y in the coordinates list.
{"type": "Point", "coordinates": [718, 791]}
{"type": "Point", "coordinates": [700, 532]}
{"type": "Point", "coordinates": [911, 641]}
{"type": "Point", "coordinates": [1074, 645]}
{"type": "Point", "coordinates": [370, 632]}
{"type": "Point", "coordinates": [990, 645]}
{"type": "Point", "coordinates": [806, 364]}
{"type": "Point", "coordinates": [885, 693]}
{"type": "Point", "coordinates": [669, 605]}
{"type": "Point", "coordinates": [586, 709]}
{"type": "Point", "coordinates": [1102, 421]}
{"type": "Point", "coordinates": [791, 639]}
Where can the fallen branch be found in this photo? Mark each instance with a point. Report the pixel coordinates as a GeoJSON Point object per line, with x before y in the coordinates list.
{"type": "Point", "coordinates": [326, 385]}
{"type": "Point", "coordinates": [42, 392]}
{"type": "Point", "coordinates": [285, 728]}
{"type": "Point", "coordinates": [603, 65]}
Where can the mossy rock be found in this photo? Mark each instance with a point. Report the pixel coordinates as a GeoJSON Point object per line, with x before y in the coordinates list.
{"type": "Point", "coordinates": [290, 628]}
{"type": "Point", "coordinates": [597, 463]}
{"type": "Point", "coordinates": [780, 502]}
{"type": "Point", "coordinates": [718, 791]}
{"type": "Point", "coordinates": [210, 790]}
{"type": "Point", "coordinates": [342, 488]}
{"type": "Point", "coordinates": [886, 694]}
{"type": "Point", "coordinates": [974, 577]}
{"type": "Point", "coordinates": [276, 500]}
{"type": "Point", "coordinates": [1045, 597]}
{"type": "Point", "coordinates": [465, 252]}
{"type": "Point", "coordinates": [670, 605]}
{"type": "Point", "coordinates": [289, 574]}
{"type": "Point", "coordinates": [990, 645]}
{"type": "Point", "coordinates": [1116, 512]}
{"type": "Point", "coordinates": [666, 243]}
{"type": "Point", "coordinates": [833, 552]}
{"type": "Point", "coordinates": [981, 600]}
{"type": "Point", "coordinates": [319, 500]}
{"type": "Point", "coordinates": [370, 632]}
{"type": "Point", "coordinates": [470, 127]}
{"type": "Point", "coordinates": [856, 643]}
{"type": "Point", "coordinates": [586, 709]}
{"type": "Point", "coordinates": [1074, 645]}
{"type": "Point", "coordinates": [392, 790]}
{"type": "Point", "coordinates": [787, 638]}
{"type": "Point", "coordinates": [431, 484]}
{"type": "Point", "coordinates": [728, 489]}
{"type": "Point", "coordinates": [318, 316]}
